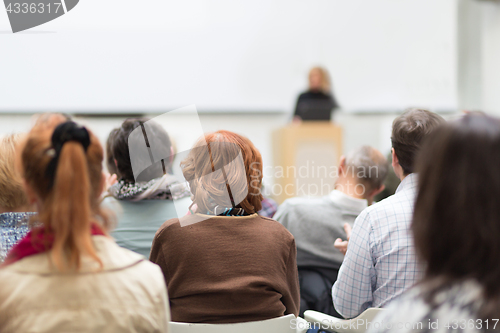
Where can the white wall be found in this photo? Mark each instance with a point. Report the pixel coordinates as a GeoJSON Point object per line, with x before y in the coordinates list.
{"type": "Point", "coordinates": [490, 57]}
{"type": "Point", "coordinates": [479, 54]}
{"type": "Point", "coordinates": [158, 55]}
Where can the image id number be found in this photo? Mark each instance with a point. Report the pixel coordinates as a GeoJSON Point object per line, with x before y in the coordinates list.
{"type": "Point", "coordinates": [34, 8]}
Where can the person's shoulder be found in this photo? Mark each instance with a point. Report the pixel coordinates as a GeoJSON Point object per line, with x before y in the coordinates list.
{"type": "Point", "coordinates": [274, 226]}
{"type": "Point", "coordinates": [167, 225]}
{"type": "Point", "coordinates": [372, 213]}
{"type": "Point", "coordinates": [302, 202]}
{"type": "Point", "coordinates": [8, 274]}
{"type": "Point", "coordinates": [313, 205]}
{"type": "Point", "coordinates": [392, 201]}
{"type": "Point", "coordinates": [300, 206]}
{"type": "Point", "coordinates": [271, 225]}
{"type": "Point", "coordinates": [147, 277]}
{"type": "Point", "coordinates": [397, 204]}
{"type": "Point", "coordinates": [112, 204]}
{"type": "Point", "coordinates": [264, 219]}
{"type": "Point", "coordinates": [148, 266]}
{"type": "Point", "coordinates": [110, 201]}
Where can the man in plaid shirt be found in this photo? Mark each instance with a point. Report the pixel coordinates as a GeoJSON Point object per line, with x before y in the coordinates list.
{"type": "Point", "coordinates": [380, 263]}
{"type": "Point", "coordinates": [269, 208]}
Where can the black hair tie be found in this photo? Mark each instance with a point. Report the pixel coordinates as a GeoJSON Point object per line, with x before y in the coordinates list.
{"type": "Point", "coordinates": [68, 131]}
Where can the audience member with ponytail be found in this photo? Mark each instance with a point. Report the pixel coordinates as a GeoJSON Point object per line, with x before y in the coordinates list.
{"type": "Point", "coordinates": [67, 274]}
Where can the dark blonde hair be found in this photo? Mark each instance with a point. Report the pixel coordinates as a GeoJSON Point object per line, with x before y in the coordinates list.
{"type": "Point", "coordinates": [70, 204]}
{"type": "Point", "coordinates": [325, 78]}
{"type": "Point", "coordinates": [211, 175]}
{"type": "Point", "coordinates": [12, 195]}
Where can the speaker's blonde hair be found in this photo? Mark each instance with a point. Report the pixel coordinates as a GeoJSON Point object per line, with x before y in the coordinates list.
{"type": "Point", "coordinates": [325, 78]}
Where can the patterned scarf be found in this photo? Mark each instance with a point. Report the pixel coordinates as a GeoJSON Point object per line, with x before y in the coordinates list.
{"type": "Point", "coordinates": [224, 211]}
{"type": "Point", "coordinates": [164, 188]}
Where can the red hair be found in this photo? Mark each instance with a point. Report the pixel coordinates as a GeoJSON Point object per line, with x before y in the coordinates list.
{"type": "Point", "coordinates": [71, 205]}
{"type": "Point", "coordinates": [213, 152]}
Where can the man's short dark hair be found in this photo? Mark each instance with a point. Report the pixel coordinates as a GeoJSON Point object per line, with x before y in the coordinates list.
{"type": "Point", "coordinates": [158, 139]}
{"type": "Point", "coordinates": [408, 130]}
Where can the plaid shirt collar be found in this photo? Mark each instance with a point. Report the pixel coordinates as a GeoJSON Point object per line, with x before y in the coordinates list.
{"type": "Point", "coordinates": [408, 183]}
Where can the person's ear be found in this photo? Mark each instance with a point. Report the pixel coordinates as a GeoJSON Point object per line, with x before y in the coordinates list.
{"type": "Point", "coordinates": [395, 161]}
{"type": "Point", "coordinates": [116, 162]}
{"type": "Point", "coordinates": [373, 193]}
{"type": "Point", "coordinates": [342, 166]}
{"type": "Point", "coordinates": [377, 191]}
{"type": "Point", "coordinates": [398, 170]}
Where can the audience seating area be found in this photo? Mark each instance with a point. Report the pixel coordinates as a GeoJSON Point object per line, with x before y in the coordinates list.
{"type": "Point", "coordinates": [228, 263]}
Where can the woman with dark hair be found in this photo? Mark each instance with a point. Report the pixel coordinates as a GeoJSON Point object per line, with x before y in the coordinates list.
{"type": "Point", "coordinates": [110, 161]}
{"type": "Point", "coordinates": [456, 225]}
{"type": "Point", "coordinates": [225, 263]}
{"type": "Point", "coordinates": [67, 274]}
{"type": "Point", "coordinates": [142, 198]}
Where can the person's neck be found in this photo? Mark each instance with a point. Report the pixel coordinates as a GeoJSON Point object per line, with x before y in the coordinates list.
{"type": "Point", "coordinates": [403, 176]}
{"type": "Point", "coordinates": [398, 170]}
{"type": "Point", "coordinates": [350, 187]}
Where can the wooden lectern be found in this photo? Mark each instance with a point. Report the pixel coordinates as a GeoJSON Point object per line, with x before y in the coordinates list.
{"type": "Point", "coordinates": [306, 158]}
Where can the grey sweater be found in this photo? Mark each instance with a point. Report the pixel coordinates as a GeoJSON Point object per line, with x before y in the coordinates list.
{"type": "Point", "coordinates": [316, 223]}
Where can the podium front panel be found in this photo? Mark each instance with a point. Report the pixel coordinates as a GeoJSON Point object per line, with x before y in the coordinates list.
{"type": "Point", "coordinates": [308, 155]}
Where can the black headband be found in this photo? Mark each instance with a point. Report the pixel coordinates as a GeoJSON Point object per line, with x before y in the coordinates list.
{"type": "Point", "coordinates": [68, 131]}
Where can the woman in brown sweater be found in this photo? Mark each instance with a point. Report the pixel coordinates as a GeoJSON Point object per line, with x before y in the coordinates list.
{"type": "Point", "coordinates": [225, 263]}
